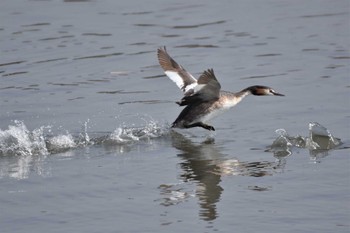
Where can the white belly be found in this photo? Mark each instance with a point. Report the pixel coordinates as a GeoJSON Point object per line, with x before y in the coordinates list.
{"type": "Point", "coordinates": [218, 111]}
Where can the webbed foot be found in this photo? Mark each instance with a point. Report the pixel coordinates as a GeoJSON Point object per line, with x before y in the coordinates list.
{"type": "Point", "coordinates": [201, 124]}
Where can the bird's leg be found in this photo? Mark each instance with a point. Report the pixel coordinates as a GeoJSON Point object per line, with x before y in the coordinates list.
{"type": "Point", "coordinates": [200, 124]}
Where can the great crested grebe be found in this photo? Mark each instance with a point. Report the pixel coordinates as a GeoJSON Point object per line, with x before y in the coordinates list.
{"type": "Point", "coordinates": [203, 98]}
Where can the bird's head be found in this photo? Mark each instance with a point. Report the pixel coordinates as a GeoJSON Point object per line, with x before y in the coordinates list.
{"type": "Point", "coordinates": [263, 90]}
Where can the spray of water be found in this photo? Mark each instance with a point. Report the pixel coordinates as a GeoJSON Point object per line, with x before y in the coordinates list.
{"type": "Point", "coordinates": [18, 140]}
{"type": "Point", "coordinates": [320, 140]}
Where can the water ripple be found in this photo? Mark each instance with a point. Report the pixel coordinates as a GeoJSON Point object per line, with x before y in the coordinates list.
{"type": "Point", "coordinates": [197, 46]}
{"type": "Point", "coordinates": [263, 76]}
{"type": "Point", "coordinates": [96, 34]}
{"type": "Point", "coordinates": [198, 25]}
{"type": "Point", "coordinates": [14, 73]}
{"type": "Point", "coordinates": [145, 102]}
{"type": "Point", "coordinates": [36, 24]}
{"type": "Point", "coordinates": [268, 55]}
{"type": "Point", "coordinates": [12, 63]}
{"type": "Point", "coordinates": [122, 92]}
{"type": "Point", "coordinates": [324, 15]}
{"type": "Point", "coordinates": [99, 56]}
{"type": "Point", "coordinates": [56, 38]}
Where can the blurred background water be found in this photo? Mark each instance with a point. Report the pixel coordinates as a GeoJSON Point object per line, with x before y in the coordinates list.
{"type": "Point", "coordinates": [85, 144]}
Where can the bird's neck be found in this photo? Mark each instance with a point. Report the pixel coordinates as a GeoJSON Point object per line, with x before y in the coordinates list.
{"type": "Point", "coordinates": [231, 99]}
{"type": "Point", "coordinates": [243, 93]}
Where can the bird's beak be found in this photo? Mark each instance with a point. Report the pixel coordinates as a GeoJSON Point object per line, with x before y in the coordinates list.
{"type": "Point", "coordinates": [278, 94]}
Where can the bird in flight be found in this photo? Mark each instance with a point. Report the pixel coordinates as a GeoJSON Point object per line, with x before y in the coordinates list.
{"type": "Point", "coordinates": [203, 98]}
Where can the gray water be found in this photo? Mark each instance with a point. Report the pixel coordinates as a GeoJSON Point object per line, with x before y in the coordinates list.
{"type": "Point", "coordinates": [85, 143]}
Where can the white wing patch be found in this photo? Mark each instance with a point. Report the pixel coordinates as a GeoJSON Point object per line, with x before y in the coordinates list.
{"type": "Point", "coordinates": [198, 87]}
{"type": "Point", "coordinates": [178, 80]}
{"type": "Point", "coordinates": [191, 86]}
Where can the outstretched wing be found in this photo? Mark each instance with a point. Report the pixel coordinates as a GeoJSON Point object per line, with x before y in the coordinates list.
{"type": "Point", "coordinates": [207, 89]}
{"type": "Point", "coordinates": [183, 79]}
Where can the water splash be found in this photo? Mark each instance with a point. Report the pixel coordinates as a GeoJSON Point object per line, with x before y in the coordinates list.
{"type": "Point", "coordinates": [17, 140]}
{"type": "Point", "coordinates": [85, 135]}
{"type": "Point", "coordinates": [320, 140]}
{"type": "Point", "coordinates": [60, 143]}
{"type": "Point", "coordinates": [23, 151]}
{"type": "Point", "coordinates": [133, 134]}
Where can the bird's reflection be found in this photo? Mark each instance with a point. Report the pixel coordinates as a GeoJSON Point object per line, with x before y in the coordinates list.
{"type": "Point", "coordinates": [204, 164]}
{"type": "Point", "coordinates": [199, 164]}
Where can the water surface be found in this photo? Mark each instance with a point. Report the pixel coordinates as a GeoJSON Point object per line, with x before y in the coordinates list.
{"type": "Point", "coordinates": [85, 113]}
